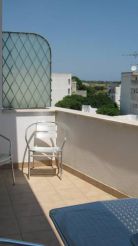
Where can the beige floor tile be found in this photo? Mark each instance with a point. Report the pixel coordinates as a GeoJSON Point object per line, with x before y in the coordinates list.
{"type": "Point", "coordinates": [4, 199]}
{"type": "Point", "coordinates": [92, 191]}
{"type": "Point", "coordinates": [33, 223]}
{"type": "Point", "coordinates": [3, 190]}
{"type": "Point", "coordinates": [27, 197]}
{"type": "Point", "coordinates": [44, 197]}
{"type": "Point", "coordinates": [45, 237]}
{"type": "Point", "coordinates": [29, 209]}
{"type": "Point", "coordinates": [70, 193]}
{"type": "Point", "coordinates": [18, 180]}
{"type": "Point", "coordinates": [6, 211]}
{"type": "Point", "coordinates": [8, 227]}
{"type": "Point", "coordinates": [45, 187]}
{"type": "Point", "coordinates": [18, 188]}
{"type": "Point", "coordinates": [14, 236]}
{"type": "Point", "coordinates": [64, 183]}
{"type": "Point", "coordinates": [25, 207]}
{"type": "Point", "coordinates": [76, 202]}
{"type": "Point", "coordinates": [47, 207]}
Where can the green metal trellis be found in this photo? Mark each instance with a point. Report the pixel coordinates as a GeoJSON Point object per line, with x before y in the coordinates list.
{"type": "Point", "coordinates": [26, 71]}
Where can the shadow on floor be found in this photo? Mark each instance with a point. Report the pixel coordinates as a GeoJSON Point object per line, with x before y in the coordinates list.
{"type": "Point", "coordinates": [21, 214]}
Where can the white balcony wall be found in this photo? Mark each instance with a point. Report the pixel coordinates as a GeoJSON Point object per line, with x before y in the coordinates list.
{"type": "Point", "coordinates": [13, 125]}
{"type": "Point", "coordinates": [101, 147]}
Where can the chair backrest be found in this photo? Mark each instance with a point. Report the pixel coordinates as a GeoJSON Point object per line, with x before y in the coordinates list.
{"type": "Point", "coordinates": [41, 134]}
{"type": "Point", "coordinates": [46, 133]}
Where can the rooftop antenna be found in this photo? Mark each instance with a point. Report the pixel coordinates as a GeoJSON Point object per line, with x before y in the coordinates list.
{"type": "Point", "coordinates": [135, 55]}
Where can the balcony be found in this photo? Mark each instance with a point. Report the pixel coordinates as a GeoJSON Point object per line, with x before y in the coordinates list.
{"type": "Point", "coordinates": [100, 163]}
{"type": "Point", "coordinates": [24, 209]}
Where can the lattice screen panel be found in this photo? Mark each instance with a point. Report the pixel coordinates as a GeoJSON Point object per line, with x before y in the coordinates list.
{"type": "Point", "coordinates": [26, 71]}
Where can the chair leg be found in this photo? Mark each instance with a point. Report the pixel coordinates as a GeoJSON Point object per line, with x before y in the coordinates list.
{"type": "Point", "coordinates": [28, 164]}
{"type": "Point", "coordinates": [13, 175]}
{"type": "Point", "coordinates": [57, 163]}
{"type": "Point", "coordinates": [33, 163]}
{"type": "Point", "coordinates": [60, 165]}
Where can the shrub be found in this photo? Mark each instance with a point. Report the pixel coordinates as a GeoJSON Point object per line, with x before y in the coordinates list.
{"type": "Point", "coordinates": [110, 109]}
{"type": "Point", "coordinates": [72, 102]}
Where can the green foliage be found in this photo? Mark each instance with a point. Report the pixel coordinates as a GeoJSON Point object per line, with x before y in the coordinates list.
{"type": "Point", "coordinates": [72, 102]}
{"type": "Point", "coordinates": [96, 97]}
{"type": "Point", "coordinates": [80, 85]}
{"type": "Point", "coordinates": [110, 109]}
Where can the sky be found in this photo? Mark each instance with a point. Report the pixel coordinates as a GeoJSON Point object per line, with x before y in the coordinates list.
{"type": "Point", "coordinates": [88, 38]}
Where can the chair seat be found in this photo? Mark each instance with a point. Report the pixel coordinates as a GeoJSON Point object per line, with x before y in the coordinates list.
{"type": "Point", "coordinates": [4, 158]}
{"type": "Point", "coordinates": [46, 149]}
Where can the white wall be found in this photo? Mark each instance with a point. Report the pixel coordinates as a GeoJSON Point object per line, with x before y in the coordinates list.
{"type": "Point", "coordinates": [117, 94]}
{"type": "Point", "coordinates": [105, 149]}
{"type": "Point", "coordinates": [125, 93]}
{"type": "Point", "coordinates": [13, 125]}
{"type": "Point", "coordinates": [0, 53]}
{"type": "Point", "coordinates": [129, 100]}
{"type": "Point", "coordinates": [61, 86]}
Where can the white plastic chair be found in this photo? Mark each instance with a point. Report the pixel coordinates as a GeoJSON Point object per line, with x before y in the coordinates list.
{"type": "Point", "coordinates": [41, 140]}
{"type": "Point", "coordinates": [6, 156]}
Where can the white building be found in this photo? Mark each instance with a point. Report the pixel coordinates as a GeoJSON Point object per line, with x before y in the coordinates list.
{"type": "Point", "coordinates": [129, 93]}
{"type": "Point", "coordinates": [61, 86]}
{"type": "Point", "coordinates": [74, 87]}
{"type": "Point", "coordinates": [117, 94]}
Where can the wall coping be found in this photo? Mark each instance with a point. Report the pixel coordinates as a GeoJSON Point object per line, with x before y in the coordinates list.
{"type": "Point", "coordinates": [112, 119]}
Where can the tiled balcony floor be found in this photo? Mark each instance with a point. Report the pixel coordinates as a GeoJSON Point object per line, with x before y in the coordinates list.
{"type": "Point", "coordinates": [24, 208]}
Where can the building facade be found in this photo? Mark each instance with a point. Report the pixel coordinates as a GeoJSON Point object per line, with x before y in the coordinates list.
{"type": "Point", "coordinates": [117, 95]}
{"type": "Point", "coordinates": [129, 93]}
{"type": "Point", "coordinates": [61, 86]}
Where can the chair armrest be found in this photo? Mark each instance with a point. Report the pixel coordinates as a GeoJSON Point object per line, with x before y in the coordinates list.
{"type": "Point", "coordinates": [17, 242]}
{"type": "Point", "coordinates": [5, 138]}
{"type": "Point", "coordinates": [9, 141]}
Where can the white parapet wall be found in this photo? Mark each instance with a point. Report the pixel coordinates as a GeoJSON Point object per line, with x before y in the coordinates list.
{"type": "Point", "coordinates": [101, 147]}
{"type": "Point", "coordinates": [13, 124]}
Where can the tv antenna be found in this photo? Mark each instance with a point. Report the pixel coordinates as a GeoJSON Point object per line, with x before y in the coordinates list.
{"type": "Point", "coordinates": [134, 67]}
{"type": "Point", "coordinates": [134, 54]}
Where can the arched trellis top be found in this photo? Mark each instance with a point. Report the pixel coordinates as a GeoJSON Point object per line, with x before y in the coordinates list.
{"type": "Point", "coordinates": [26, 71]}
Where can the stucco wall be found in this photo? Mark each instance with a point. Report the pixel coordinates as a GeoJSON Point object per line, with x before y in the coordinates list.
{"type": "Point", "coordinates": [104, 149]}
{"type": "Point", "coordinates": [13, 125]}
{"type": "Point", "coordinates": [125, 101]}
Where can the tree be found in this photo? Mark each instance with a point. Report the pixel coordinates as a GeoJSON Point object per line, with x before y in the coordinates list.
{"type": "Point", "coordinates": [111, 110]}
{"type": "Point", "coordinates": [72, 102]}
{"type": "Point", "coordinates": [80, 85]}
{"type": "Point", "coordinates": [96, 97]}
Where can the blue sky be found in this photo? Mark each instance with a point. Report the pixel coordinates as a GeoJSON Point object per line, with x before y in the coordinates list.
{"type": "Point", "coordinates": [87, 37]}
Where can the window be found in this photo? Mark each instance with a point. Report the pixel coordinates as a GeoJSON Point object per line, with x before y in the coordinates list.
{"type": "Point", "coordinates": [68, 81]}
{"type": "Point", "coordinates": [68, 91]}
{"type": "Point", "coordinates": [26, 71]}
{"type": "Point", "coordinates": [134, 94]}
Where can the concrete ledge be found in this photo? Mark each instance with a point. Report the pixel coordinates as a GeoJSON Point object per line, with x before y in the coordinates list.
{"type": "Point", "coordinates": [106, 118]}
